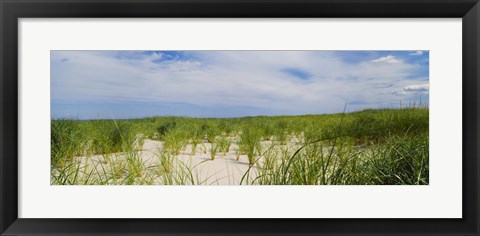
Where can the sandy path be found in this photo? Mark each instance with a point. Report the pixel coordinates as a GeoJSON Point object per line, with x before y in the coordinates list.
{"type": "Point", "coordinates": [224, 170]}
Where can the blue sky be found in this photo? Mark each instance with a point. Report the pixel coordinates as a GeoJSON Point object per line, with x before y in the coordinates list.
{"type": "Point", "coordinates": [133, 84]}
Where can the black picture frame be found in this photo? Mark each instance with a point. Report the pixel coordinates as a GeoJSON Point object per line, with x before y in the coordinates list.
{"type": "Point", "coordinates": [12, 10]}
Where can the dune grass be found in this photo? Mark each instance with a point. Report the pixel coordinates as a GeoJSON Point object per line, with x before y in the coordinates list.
{"type": "Point", "coordinates": [369, 147]}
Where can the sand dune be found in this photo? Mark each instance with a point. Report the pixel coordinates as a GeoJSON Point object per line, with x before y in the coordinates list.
{"type": "Point", "coordinates": [223, 170]}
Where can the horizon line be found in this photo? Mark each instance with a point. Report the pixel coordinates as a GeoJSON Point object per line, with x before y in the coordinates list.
{"type": "Point", "coordinates": [421, 106]}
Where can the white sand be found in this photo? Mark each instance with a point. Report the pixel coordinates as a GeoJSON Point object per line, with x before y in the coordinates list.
{"type": "Point", "coordinates": [223, 170]}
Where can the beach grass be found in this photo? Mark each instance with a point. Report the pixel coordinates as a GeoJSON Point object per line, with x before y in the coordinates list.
{"type": "Point", "coordinates": [368, 147]}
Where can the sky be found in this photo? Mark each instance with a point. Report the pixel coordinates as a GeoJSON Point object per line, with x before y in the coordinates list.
{"type": "Point", "coordinates": [135, 84]}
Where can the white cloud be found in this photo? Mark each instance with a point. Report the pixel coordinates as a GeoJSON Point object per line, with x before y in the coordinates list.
{"type": "Point", "coordinates": [414, 89]}
{"type": "Point", "coordinates": [417, 87]}
{"type": "Point", "coordinates": [387, 59]}
{"type": "Point", "coordinates": [416, 53]}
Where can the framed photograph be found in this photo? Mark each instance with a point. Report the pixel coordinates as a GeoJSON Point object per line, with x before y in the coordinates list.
{"type": "Point", "coordinates": [239, 117]}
